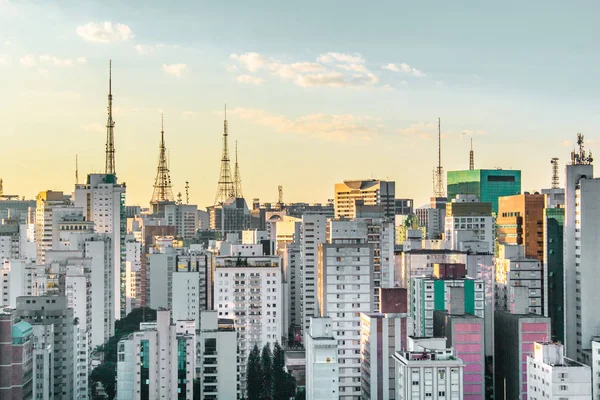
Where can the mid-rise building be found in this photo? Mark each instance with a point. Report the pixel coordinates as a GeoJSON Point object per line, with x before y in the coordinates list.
{"type": "Point", "coordinates": [217, 357]}
{"type": "Point", "coordinates": [53, 310]}
{"type": "Point", "coordinates": [192, 289]}
{"type": "Point", "coordinates": [432, 219]}
{"type": "Point", "coordinates": [596, 368]}
{"type": "Point", "coordinates": [345, 289]}
{"type": "Point", "coordinates": [521, 221]}
{"type": "Point", "coordinates": [468, 219]}
{"type": "Point", "coordinates": [184, 217]}
{"type": "Point", "coordinates": [428, 370]}
{"type": "Point", "coordinates": [16, 357]}
{"type": "Point", "coordinates": [551, 375]}
{"type": "Point", "coordinates": [515, 336]}
{"type": "Point", "coordinates": [43, 361]}
{"type": "Point", "coordinates": [133, 274]}
{"type": "Point", "coordinates": [232, 215]}
{"type": "Point", "coordinates": [487, 184]}
{"type": "Point", "coordinates": [18, 278]}
{"type": "Point", "coordinates": [554, 219]}
{"type": "Point", "coordinates": [322, 363]}
{"type": "Point", "coordinates": [157, 362]}
{"type": "Point", "coordinates": [404, 206]}
{"type": "Point", "coordinates": [312, 233]}
{"type": "Point", "coordinates": [364, 192]}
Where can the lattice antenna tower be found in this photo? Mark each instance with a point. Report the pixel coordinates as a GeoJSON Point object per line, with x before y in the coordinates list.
{"type": "Point", "coordinates": [280, 197]}
{"type": "Point", "coordinates": [187, 192]}
{"type": "Point", "coordinates": [226, 187]}
{"type": "Point", "coordinates": [109, 167]}
{"type": "Point", "coordinates": [438, 181]}
{"type": "Point", "coordinates": [555, 178]}
{"type": "Point", "coordinates": [237, 177]}
{"type": "Point", "coordinates": [163, 189]}
{"type": "Point", "coordinates": [472, 157]}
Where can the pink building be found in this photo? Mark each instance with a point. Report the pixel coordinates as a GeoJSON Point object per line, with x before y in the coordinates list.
{"type": "Point", "coordinates": [465, 334]}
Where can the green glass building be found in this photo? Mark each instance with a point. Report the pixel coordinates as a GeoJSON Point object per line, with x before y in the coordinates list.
{"type": "Point", "coordinates": [486, 184]}
{"type": "Point", "coordinates": [554, 220]}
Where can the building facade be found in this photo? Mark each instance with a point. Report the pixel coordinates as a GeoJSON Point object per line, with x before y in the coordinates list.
{"type": "Point", "coordinates": [16, 357]}
{"type": "Point", "coordinates": [468, 219]}
{"type": "Point", "coordinates": [487, 184]}
{"type": "Point", "coordinates": [521, 221]}
{"type": "Point", "coordinates": [322, 363]}
{"type": "Point", "coordinates": [365, 192]}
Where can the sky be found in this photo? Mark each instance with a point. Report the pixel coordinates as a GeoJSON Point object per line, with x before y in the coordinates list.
{"type": "Point", "coordinates": [317, 92]}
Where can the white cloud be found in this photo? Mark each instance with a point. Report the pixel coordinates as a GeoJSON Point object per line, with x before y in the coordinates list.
{"type": "Point", "coordinates": [354, 67]}
{"type": "Point", "coordinates": [251, 61]}
{"type": "Point", "coordinates": [404, 68]}
{"type": "Point", "coordinates": [341, 57]}
{"type": "Point", "coordinates": [144, 49]}
{"type": "Point", "coordinates": [232, 68]}
{"type": "Point", "coordinates": [421, 130]}
{"type": "Point", "coordinates": [5, 60]}
{"type": "Point", "coordinates": [324, 126]}
{"type": "Point", "coordinates": [176, 70]}
{"type": "Point", "coordinates": [249, 79]}
{"type": "Point", "coordinates": [29, 60]}
{"type": "Point", "coordinates": [105, 32]}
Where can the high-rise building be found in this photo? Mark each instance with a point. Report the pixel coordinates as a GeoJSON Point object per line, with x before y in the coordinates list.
{"type": "Point", "coordinates": [364, 192]}
{"type": "Point", "coordinates": [133, 274]}
{"type": "Point", "coordinates": [515, 337]}
{"type": "Point", "coordinates": [217, 353]}
{"type": "Point", "coordinates": [18, 278]}
{"type": "Point", "coordinates": [102, 199]}
{"type": "Point", "coordinates": [487, 184]}
{"type": "Point", "coordinates": [184, 217]}
{"type": "Point", "coordinates": [551, 375]}
{"type": "Point", "coordinates": [192, 292]}
{"type": "Point", "coordinates": [231, 216]}
{"type": "Point", "coordinates": [520, 221]}
{"type": "Point", "coordinates": [53, 310]}
{"type": "Point", "coordinates": [158, 361]}
{"type": "Point", "coordinates": [467, 220]}
{"type": "Point", "coordinates": [404, 206]}
{"type": "Point", "coordinates": [248, 290]}
{"type": "Point", "coordinates": [344, 290]}
{"type": "Point", "coordinates": [465, 334]}
{"type": "Point", "coordinates": [16, 357]}
{"type": "Point", "coordinates": [428, 370]}
{"type": "Point", "coordinates": [554, 220]}
{"type": "Point", "coordinates": [322, 363]}
{"type": "Point", "coordinates": [43, 368]}
{"type": "Point", "coordinates": [432, 219]}
{"type": "Point", "coordinates": [596, 368]}
{"type": "Point", "coordinates": [312, 233]}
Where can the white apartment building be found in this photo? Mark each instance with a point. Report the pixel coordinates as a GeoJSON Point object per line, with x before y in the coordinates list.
{"type": "Point", "coordinates": [428, 370]}
{"type": "Point", "coordinates": [290, 257]}
{"type": "Point", "coordinates": [102, 199]}
{"type": "Point", "coordinates": [551, 375]}
{"type": "Point", "coordinates": [184, 217]}
{"type": "Point", "coordinates": [345, 289]}
{"type": "Point", "coordinates": [217, 357]}
{"type": "Point", "coordinates": [161, 266]}
{"type": "Point", "coordinates": [43, 365]}
{"type": "Point", "coordinates": [432, 219]}
{"type": "Point", "coordinates": [156, 362]}
{"type": "Point", "coordinates": [133, 270]}
{"type": "Point", "coordinates": [322, 364]}
{"type": "Point", "coordinates": [513, 269]}
{"type": "Point", "coordinates": [366, 192]}
{"type": "Point", "coordinates": [249, 291]}
{"type": "Point", "coordinates": [595, 368]}
{"type": "Point", "coordinates": [468, 220]}
{"type": "Point", "coordinates": [312, 233]}
{"type": "Point", "coordinates": [10, 242]}
{"type": "Point", "coordinates": [17, 278]}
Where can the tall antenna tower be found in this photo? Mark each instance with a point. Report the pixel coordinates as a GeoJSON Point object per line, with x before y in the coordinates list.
{"type": "Point", "coordinates": [280, 197]}
{"type": "Point", "coordinates": [109, 167]}
{"type": "Point", "coordinates": [555, 179]}
{"type": "Point", "coordinates": [471, 157]}
{"type": "Point", "coordinates": [76, 169]}
{"type": "Point", "coordinates": [438, 179]}
{"type": "Point", "coordinates": [226, 187]}
{"type": "Point", "coordinates": [163, 190]}
{"type": "Point", "coordinates": [237, 177]}
{"type": "Point", "coordinates": [187, 192]}
{"type": "Point", "coordinates": [580, 157]}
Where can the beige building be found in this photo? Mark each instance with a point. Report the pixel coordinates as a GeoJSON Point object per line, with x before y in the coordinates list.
{"type": "Point", "coordinates": [367, 192]}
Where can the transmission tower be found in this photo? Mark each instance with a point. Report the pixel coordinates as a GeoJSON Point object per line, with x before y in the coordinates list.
{"type": "Point", "coordinates": [109, 167]}
{"type": "Point", "coordinates": [237, 177]}
{"type": "Point", "coordinates": [280, 197]}
{"type": "Point", "coordinates": [163, 191]}
{"type": "Point", "coordinates": [438, 179]}
{"type": "Point", "coordinates": [76, 169]}
{"type": "Point", "coordinates": [187, 192]}
{"type": "Point", "coordinates": [555, 178]}
{"type": "Point", "coordinates": [226, 187]}
{"type": "Point", "coordinates": [472, 157]}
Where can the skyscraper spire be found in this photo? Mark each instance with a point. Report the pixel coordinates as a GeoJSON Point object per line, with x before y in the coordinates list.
{"type": "Point", "coordinates": [438, 178]}
{"type": "Point", "coordinates": [237, 177]}
{"type": "Point", "coordinates": [226, 187]}
{"type": "Point", "coordinates": [110, 126]}
{"type": "Point", "coordinates": [163, 190]}
{"type": "Point", "coordinates": [472, 157]}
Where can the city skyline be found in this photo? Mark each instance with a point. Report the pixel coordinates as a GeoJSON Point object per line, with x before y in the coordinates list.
{"type": "Point", "coordinates": [310, 110]}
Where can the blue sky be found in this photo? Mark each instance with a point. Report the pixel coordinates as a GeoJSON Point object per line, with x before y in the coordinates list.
{"type": "Point", "coordinates": [318, 92]}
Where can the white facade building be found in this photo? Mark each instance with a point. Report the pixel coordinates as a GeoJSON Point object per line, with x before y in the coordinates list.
{"type": "Point", "coordinates": [102, 199]}
{"type": "Point", "coordinates": [428, 370]}
{"type": "Point", "coordinates": [550, 375]}
{"type": "Point", "coordinates": [469, 220]}
{"type": "Point", "coordinates": [18, 278]}
{"type": "Point", "coordinates": [596, 368]}
{"type": "Point", "coordinates": [312, 233]}
{"type": "Point", "coordinates": [184, 217]}
{"type": "Point", "coordinates": [322, 364]}
{"type": "Point", "coordinates": [43, 365]}
{"type": "Point", "coordinates": [366, 192]}
{"type": "Point", "coordinates": [133, 270]}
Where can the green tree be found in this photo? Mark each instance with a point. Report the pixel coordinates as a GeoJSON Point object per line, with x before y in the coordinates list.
{"type": "Point", "coordinates": [279, 374]}
{"type": "Point", "coordinates": [107, 375]}
{"type": "Point", "coordinates": [266, 367]}
{"type": "Point", "coordinates": [253, 375]}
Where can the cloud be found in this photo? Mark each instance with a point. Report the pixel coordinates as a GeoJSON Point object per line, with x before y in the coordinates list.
{"type": "Point", "coordinates": [176, 70]}
{"type": "Point", "coordinates": [249, 79]}
{"type": "Point", "coordinates": [232, 68]}
{"type": "Point", "coordinates": [144, 48]}
{"type": "Point", "coordinates": [324, 126]}
{"type": "Point", "coordinates": [5, 60]}
{"type": "Point", "coordinates": [31, 60]}
{"type": "Point", "coordinates": [421, 130]}
{"type": "Point", "coordinates": [353, 67]}
{"type": "Point", "coordinates": [251, 61]}
{"type": "Point", "coordinates": [105, 32]}
{"type": "Point", "coordinates": [94, 127]}
{"type": "Point", "coordinates": [404, 68]}
{"type": "Point", "coordinates": [341, 57]}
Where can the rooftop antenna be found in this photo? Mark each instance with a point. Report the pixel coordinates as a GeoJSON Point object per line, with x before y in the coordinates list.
{"type": "Point", "coordinates": [471, 157]}
{"type": "Point", "coordinates": [237, 177]}
{"type": "Point", "coordinates": [76, 169]}
{"type": "Point", "coordinates": [580, 157]}
{"type": "Point", "coordinates": [187, 192]}
{"type": "Point", "coordinates": [555, 179]}
{"type": "Point", "coordinates": [226, 187]}
{"type": "Point", "coordinates": [280, 197]}
{"type": "Point", "coordinates": [438, 181]}
{"type": "Point", "coordinates": [109, 167]}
